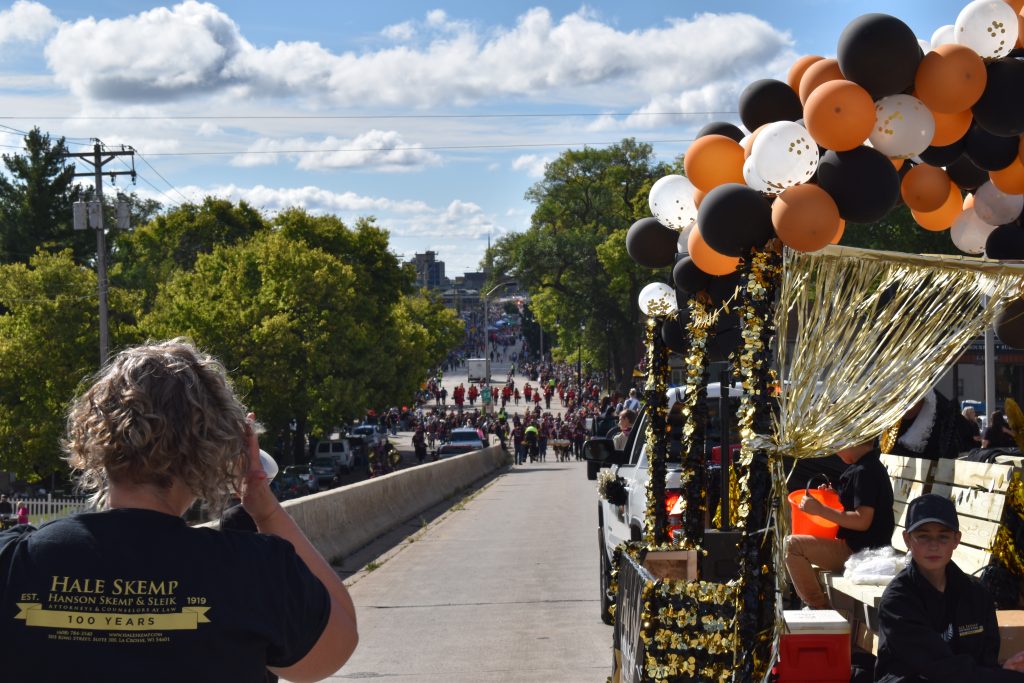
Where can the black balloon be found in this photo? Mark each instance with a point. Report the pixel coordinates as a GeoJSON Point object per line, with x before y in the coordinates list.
{"type": "Point", "coordinates": [722, 287]}
{"type": "Point", "coordinates": [767, 101]}
{"type": "Point", "coordinates": [733, 219]}
{"type": "Point", "coordinates": [673, 332]}
{"type": "Point", "coordinates": [1000, 110]}
{"type": "Point", "coordinates": [721, 128]}
{"type": "Point", "coordinates": [966, 175]}
{"type": "Point", "coordinates": [947, 154]}
{"type": "Point", "coordinates": [688, 277]}
{"type": "Point", "coordinates": [1010, 324]}
{"type": "Point", "coordinates": [721, 345]}
{"type": "Point", "coordinates": [651, 244]}
{"type": "Point", "coordinates": [880, 53]}
{"type": "Point", "coordinates": [863, 183]}
{"type": "Point", "coordinates": [1005, 242]}
{"type": "Point", "coordinates": [990, 152]}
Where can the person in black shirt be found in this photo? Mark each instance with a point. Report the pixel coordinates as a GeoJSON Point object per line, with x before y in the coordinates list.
{"type": "Point", "coordinates": [132, 592]}
{"type": "Point", "coordinates": [866, 521]}
{"type": "Point", "coordinates": [998, 434]}
{"type": "Point", "coordinates": [935, 622]}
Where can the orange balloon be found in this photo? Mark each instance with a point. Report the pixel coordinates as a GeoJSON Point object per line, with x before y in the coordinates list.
{"type": "Point", "coordinates": [820, 72]}
{"type": "Point", "coordinates": [898, 163]}
{"type": "Point", "coordinates": [698, 197]}
{"type": "Point", "coordinates": [707, 259]}
{"type": "Point", "coordinates": [969, 201]}
{"type": "Point", "coordinates": [1017, 5]}
{"type": "Point", "coordinates": [951, 127]}
{"type": "Point", "coordinates": [937, 221]}
{"type": "Point", "coordinates": [1010, 179]}
{"type": "Point", "coordinates": [796, 72]}
{"type": "Point", "coordinates": [805, 217]}
{"type": "Point", "coordinates": [925, 188]}
{"type": "Point", "coordinates": [839, 115]}
{"type": "Point", "coordinates": [748, 142]}
{"type": "Point", "coordinates": [839, 232]}
{"type": "Point", "coordinates": [950, 78]}
{"type": "Point", "coordinates": [714, 160]}
{"type": "Point", "coordinates": [1020, 30]}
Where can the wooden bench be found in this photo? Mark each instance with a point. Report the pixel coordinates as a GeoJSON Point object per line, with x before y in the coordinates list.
{"type": "Point", "coordinates": [979, 491]}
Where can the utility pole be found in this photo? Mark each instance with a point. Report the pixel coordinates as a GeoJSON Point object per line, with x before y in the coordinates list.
{"type": "Point", "coordinates": [98, 158]}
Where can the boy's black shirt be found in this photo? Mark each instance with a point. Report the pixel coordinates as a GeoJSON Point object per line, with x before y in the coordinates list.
{"type": "Point", "coordinates": [928, 635]}
{"type": "Point", "coordinates": [130, 595]}
{"type": "Point", "coordinates": [866, 482]}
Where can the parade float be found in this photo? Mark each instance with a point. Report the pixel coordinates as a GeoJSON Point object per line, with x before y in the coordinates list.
{"type": "Point", "coordinates": [831, 344]}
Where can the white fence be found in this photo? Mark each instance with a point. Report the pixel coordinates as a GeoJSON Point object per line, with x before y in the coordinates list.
{"type": "Point", "coordinates": [42, 510]}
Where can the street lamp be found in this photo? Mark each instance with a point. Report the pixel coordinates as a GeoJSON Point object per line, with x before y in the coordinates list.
{"type": "Point", "coordinates": [487, 335]}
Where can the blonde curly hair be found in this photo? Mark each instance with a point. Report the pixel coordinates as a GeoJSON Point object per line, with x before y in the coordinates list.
{"type": "Point", "coordinates": [155, 413]}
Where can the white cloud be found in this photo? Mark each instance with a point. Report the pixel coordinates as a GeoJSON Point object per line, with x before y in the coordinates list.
{"type": "Point", "coordinates": [399, 32]}
{"type": "Point", "coordinates": [26, 22]}
{"type": "Point", "coordinates": [533, 164]}
{"type": "Point", "coordinates": [377, 149]}
{"type": "Point", "coordinates": [195, 49]}
{"type": "Point", "coordinates": [437, 17]}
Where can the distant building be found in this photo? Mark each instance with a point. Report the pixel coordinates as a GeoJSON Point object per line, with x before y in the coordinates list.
{"type": "Point", "coordinates": [429, 271]}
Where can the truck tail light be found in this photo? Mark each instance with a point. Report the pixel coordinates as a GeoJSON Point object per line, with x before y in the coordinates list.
{"type": "Point", "coordinates": [673, 523]}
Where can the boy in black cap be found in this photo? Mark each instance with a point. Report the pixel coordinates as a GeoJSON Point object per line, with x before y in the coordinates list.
{"type": "Point", "coordinates": [936, 623]}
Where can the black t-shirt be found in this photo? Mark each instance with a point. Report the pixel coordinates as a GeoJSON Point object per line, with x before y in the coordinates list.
{"type": "Point", "coordinates": [942, 637]}
{"type": "Point", "coordinates": [130, 595]}
{"type": "Point", "coordinates": [866, 482]}
{"type": "Point", "coordinates": [997, 438]}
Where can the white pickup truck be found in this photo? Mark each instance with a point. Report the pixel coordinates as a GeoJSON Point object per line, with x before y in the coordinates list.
{"type": "Point", "coordinates": [619, 523]}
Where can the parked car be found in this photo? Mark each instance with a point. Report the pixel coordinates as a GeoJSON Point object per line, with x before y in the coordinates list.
{"type": "Point", "coordinates": [327, 470]}
{"type": "Point", "coordinates": [341, 449]}
{"type": "Point", "coordinates": [461, 440]}
{"type": "Point", "coordinates": [371, 434]}
{"type": "Point", "coordinates": [288, 486]}
{"type": "Point", "coordinates": [306, 474]}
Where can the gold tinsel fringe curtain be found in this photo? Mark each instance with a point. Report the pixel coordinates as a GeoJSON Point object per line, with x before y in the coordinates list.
{"type": "Point", "coordinates": [875, 332]}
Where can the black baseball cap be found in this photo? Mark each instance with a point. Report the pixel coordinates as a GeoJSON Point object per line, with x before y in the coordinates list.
{"type": "Point", "coordinates": [931, 507]}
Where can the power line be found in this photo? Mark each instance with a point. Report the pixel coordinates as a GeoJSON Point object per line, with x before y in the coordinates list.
{"type": "Point", "coordinates": [411, 148]}
{"type": "Point", "coordinates": [245, 117]}
{"type": "Point", "coordinates": [160, 175]}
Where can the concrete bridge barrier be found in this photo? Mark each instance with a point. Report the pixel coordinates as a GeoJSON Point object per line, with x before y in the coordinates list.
{"type": "Point", "coordinates": [340, 521]}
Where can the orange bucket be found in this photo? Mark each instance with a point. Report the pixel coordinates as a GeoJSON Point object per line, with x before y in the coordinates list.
{"type": "Point", "coordinates": [813, 525]}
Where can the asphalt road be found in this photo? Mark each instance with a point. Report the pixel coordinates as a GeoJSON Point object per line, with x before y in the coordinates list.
{"type": "Point", "coordinates": [502, 586]}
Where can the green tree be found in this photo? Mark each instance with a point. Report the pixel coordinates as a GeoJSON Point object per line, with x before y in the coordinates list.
{"type": "Point", "coordinates": [151, 254]}
{"type": "Point", "coordinates": [48, 343]}
{"type": "Point", "coordinates": [572, 259]}
{"type": "Point", "coordinates": [36, 194]}
{"type": "Point", "coordinates": [898, 232]}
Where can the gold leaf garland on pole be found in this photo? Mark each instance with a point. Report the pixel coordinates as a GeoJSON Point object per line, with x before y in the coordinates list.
{"type": "Point", "coordinates": [693, 478]}
{"type": "Point", "coordinates": [756, 613]}
{"type": "Point", "coordinates": [655, 533]}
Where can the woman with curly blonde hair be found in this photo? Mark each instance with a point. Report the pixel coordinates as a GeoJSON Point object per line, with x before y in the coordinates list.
{"type": "Point", "coordinates": [158, 429]}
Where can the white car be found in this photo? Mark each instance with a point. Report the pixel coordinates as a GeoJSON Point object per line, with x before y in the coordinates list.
{"type": "Point", "coordinates": [620, 523]}
{"type": "Point", "coordinates": [461, 440]}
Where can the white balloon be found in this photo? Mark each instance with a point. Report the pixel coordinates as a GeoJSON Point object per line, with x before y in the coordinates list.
{"type": "Point", "coordinates": [943, 35]}
{"type": "Point", "coordinates": [683, 244]}
{"type": "Point", "coordinates": [671, 201]}
{"type": "Point", "coordinates": [754, 181]}
{"type": "Point", "coordinates": [658, 299]}
{"type": "Point", "coordinates": [904, 127]}
{"type": "Point", "coordinates": [995, 207]}
{"type": "Point", "coordinates": [925, 45]}
{"type": "Point", "coordinates": [969, 232]}
{"type": "Point", "coordinates": [989, 27]}
{"type": "Point", "coordinates": [784, 154]}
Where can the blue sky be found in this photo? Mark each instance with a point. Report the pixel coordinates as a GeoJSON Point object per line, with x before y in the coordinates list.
{"type": "Point", "coordinates": [396, 109]}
